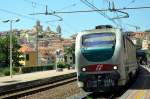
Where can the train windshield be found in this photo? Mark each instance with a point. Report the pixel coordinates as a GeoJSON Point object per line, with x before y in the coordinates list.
{"type": "Point", "coordinates": [98, 47]}
{"type": "Point", "coordinates": [98, 40]}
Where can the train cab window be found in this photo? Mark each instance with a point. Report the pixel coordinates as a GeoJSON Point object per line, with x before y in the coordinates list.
{"type": "Point", "coordinates": [99, 40]}
{"type": "Point", "coordinates": [98, 47]}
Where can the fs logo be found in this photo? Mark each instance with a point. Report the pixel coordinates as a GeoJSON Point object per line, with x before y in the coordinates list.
{"type": "Point", "coordinates": [99, 67]}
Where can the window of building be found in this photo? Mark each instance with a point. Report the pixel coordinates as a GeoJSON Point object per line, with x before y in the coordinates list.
{"type": "Point", "coordinates": [70, 58]}
{"type": "Point", "coordinates": [27, 57]}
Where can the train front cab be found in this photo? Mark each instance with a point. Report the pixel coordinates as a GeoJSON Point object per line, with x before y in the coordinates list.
{"type": "Point", "coordinates": [106, 81]}
{"type": "Point", "coordinates": [96, 67]}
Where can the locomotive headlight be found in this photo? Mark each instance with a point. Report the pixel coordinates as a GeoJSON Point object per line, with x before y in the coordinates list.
{"type": "Point", "coordinates": [83, 69]}
{"type": "Point", "coordinates": [115, 67]}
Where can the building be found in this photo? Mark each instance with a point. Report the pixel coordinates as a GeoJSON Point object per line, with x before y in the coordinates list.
{"type": "Point", "coordinates": [136, 36]}
{"type": "Point", "coordinates": [146, 40]}
{"type": "Point", "coordinates": [29, 56]}
{"type": "Point", "coordinates": [48, 42]}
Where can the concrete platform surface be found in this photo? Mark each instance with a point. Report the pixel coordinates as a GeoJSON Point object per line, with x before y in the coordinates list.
{"type": "Point", "coordinates": [7, 80]}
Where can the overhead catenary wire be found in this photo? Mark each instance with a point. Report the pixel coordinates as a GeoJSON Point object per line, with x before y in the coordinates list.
{"type": "Point", "coordinates": [101, 11]}
{"type": "Point", "coordinates": [113, 9]}
{"type": "Point", "coordinates": [82, 11]}
{"type": "Point", "coordinates": [18, 14]}
{"type": "Point", "coordinates": [47, 13]}
{"type": "Point", "coordinates": [119, 20]}
{"type": "Point", "coordinates": [58, 12]}
{"type": "Point", "coordinates": [126, 15]}
{"type": "Point", "coordinates": [133, 8]}
{"type": "Point", "coordinates": [36, 3]}
{"type": "Point", "coordinates": [118, 9]}
{"type": "Point", "coordinates": [86, 2]}
{"type": "Point", "coordinates": [27, 17]}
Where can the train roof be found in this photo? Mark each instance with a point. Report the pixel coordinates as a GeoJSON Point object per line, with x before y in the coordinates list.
{"type": "Point", "coordinates": [101, 27]}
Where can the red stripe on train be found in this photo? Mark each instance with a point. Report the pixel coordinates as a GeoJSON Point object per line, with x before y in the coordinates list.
{"type": "Point", "coordinates": [99, 67]}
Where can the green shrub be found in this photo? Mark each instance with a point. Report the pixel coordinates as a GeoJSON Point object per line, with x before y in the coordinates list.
{"type": "Point", "coordinates": [61, 65]}
{"type": "Point", "coordinates": [6, 72]}
{"type": "Point", "coordinates": [68, 66]}
{"type": "Point", "coordinates": [37, 68]}
{"type": "Point", "coordinates": [1, 69]}
{"type": "Point", "coordinates": [16, 69]}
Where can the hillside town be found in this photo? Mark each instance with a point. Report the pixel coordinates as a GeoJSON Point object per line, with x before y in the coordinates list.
{"type": "Point", "coordinates": [39, 46]}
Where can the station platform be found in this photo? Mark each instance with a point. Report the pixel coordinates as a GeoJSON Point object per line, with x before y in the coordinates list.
{"type": "Point", "coordinates": [140, 89]}
{"type": "Point", "coordinates": [7, 80]}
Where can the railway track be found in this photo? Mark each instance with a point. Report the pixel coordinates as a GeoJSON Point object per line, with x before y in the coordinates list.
{"type": "Point", "coordinates": [37, 86]}
{"type": "Point", "coordinates": [110, 95]}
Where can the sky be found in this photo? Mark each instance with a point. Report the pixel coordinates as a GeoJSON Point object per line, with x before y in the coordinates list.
{"type": "Point", "coordinates": [75, 22]}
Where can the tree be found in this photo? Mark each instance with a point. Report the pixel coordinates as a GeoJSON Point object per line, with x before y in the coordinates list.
{"type": "Point", "coordinates": [70, 51]}
{"type": "Point", "coordinates": [4, 51]}
{"type": "Point", "coordinates": [16, 54]}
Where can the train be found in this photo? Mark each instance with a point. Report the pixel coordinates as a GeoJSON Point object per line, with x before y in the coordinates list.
{"type": "Point", "coordinates": [105, 59]}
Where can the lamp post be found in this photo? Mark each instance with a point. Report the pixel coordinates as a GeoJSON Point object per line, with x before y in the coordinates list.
{"type": "Point", "coordinates": [10, 35]}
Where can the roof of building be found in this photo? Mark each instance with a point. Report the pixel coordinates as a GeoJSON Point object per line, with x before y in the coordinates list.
{"type": "Point", "coordinates": [25, 48]}
{"type": "Point", "coordinates": [138, 34]}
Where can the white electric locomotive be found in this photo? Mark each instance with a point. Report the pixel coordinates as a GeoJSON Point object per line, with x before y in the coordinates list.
{"type": "Point", "coordinates": [105, 59]}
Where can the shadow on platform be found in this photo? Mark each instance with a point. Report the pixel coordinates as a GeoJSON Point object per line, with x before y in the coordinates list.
{"type": "Point", "coordinates": [11, 81]}
{"type": "Point", "coordinates": [142, 81]}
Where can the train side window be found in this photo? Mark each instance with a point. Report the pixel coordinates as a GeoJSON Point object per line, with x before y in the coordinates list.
{"type": "Point", "coordinates": [124, 43]}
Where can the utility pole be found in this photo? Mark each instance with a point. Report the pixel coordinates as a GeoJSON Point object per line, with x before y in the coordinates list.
{"type": "Point", "coordinates": [11, 48]}
{"type": "Point", "coordinates": [37, 40]}
{"type": "Point", "coordinates": [38, 28]}
{"type": "Point", "coordinates": [11, 45]}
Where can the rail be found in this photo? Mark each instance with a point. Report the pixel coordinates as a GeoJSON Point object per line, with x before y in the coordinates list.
{"type": "Point", "coordinates": [27, 88]}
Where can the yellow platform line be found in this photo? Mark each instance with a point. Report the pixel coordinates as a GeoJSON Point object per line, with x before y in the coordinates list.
{"type": "Point", "coordinates": [140, 94]}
